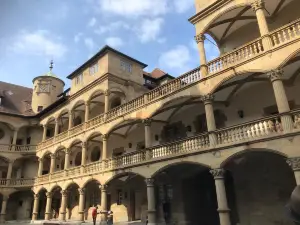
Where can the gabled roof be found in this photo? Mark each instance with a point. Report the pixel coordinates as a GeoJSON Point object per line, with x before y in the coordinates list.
{"type": "Point", "coordinates": [103, 51]}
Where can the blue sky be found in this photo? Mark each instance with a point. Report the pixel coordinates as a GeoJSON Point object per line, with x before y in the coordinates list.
{"type": "Point", "coordinates": [156, 32]}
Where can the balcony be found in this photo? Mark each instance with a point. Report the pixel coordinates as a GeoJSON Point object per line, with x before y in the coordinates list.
{"type": "Point", "coordinates": [258, 130]}
{"type": "Point", "coordinates": [22, 182]}
{"type": "Point", "coordinates": [277, 40]}
{"type": "Point", "coordinates": [18, 148]}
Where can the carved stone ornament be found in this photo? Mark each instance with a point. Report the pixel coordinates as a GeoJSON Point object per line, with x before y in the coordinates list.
{"type": "Point", "coordinates": [83, 144]}
{"type": "Point", "coordinates": [218, 173]}
{"type": "Point", "coordinates": [103, 187]}
{"type": "Point", "coordinates": [207, 98]}
{"type": "Point", "coordinates": [64, 193]}
{"type": "Point", "coordinates": [107, 93]}
{"type": "Point", "coordinates": [81, 191]}
{"type": "Point", "coordinates": [36, 196]}
{"type": "Point", "coordinates": [49, 194]}
{"type": "Point", "coordinates": [258, 4]}
{"type": "Point", "coordinates": [147, 122]}
{"type": "Point", "coordinates": [199, 38]}
{"type": "Point", "coordinates": [294, 163]}
{"type": "Point", "coordinates": [149, 182]}
{"type": "Point", "coordinates": [104, 137]}
{"type": "Point", "coordinates": [275, 74]}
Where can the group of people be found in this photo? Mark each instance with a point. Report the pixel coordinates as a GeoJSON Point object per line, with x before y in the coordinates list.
{"type": "Point", "coordinates": [109, 216]}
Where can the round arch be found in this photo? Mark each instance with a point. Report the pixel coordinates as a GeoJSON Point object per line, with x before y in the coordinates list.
{"type": "Point", "coordinates": [40, 189]}
{"type": "Point", "coordinates": [46, 153]}
{"type": "Point", "coordinates": [52, 118]}
{"type": "Point", "coordinates": [53, 187]}
{"type": "Point", "coordinates": [69, 184]}
{"type": "Point", "coordinates": [91, 179]}
{"type": "Point", "coordinates": [120, 175]}
{"type": "Point", "coordinates": [59, 148]}
{"type": "Point", "coordinates": [62, 112]}
{"type": "Point", "coordinates": [289, 58]}
{"type": "Point", "coordinates": [122, 124]}
{"type": "Point", "coordinates": [95, 93]}
{"type": "Point", "coordinates": [77, 104]}
{"type": "Point", "coordinates": [74, 142]}
{"type": "Point", "coordinates": [92, 135]}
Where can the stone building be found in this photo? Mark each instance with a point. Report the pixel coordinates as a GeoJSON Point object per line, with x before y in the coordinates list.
{"type": "Point", "coordinates": [216, 145]}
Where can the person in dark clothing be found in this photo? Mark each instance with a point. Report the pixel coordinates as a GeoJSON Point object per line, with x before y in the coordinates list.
{"type": "Point", "coordinates": [166, 210]}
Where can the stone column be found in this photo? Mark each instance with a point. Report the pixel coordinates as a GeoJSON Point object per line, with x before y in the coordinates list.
{"type": "Point", "coordinates": [35, 206]}
{"type": "Point", "coordinates": [70, 119]}
{"type": "Point", "coordinates": [104, 147]}
{"type": "Point", "coordinates": [106, 101]}
{"type": "Point", "coordinates": [67, 159]}
{"type": "Point", "coordinates": [281, 99]}
{"type": "Point", "coordinates": [203, 63]}
{"type": "Point", "coordinates": [148, 136]}
{"type": "Point", "coordinates": [103, 203]}
{"type": "Point", "coordinates": [9, 171]}
{"type": "Point", "coordinates": [44, 132]}
{"type": "Point", "coordinates": [294, 163]}
{"type": "Point", "coordinates": [83, 156]}
{"type": "Point", "coordinates": [151, 201]}
{"type": "Point", "coordinates": [87, 111]}
{"type": "Point", "coordinates": [221, 196]}
{"type": "Point", "coordinates": [48, 206]}
{"type": "Point", "coordinates": [3, 209]}
{"type": "Point", "coordinates": [52, 163]}
{"type": "Point", "coordinates": [81, 203]}
{"type": "Point", "coordinates": [15, 137]}
{"type": "Point", "coordinates": [258, 7]}
{"type": "Point", "coordinates": [41, 166]}
{"type": "Point", "coordinates": [63, 207]}
{"type": "Point", "coordinates": [56, 127]}
{"type": "Point", "coordinates": [210, 118]}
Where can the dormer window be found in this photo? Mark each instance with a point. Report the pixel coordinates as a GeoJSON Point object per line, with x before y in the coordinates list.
{"type": "Point", "coordinates": [94, 69]}
{"type": "Point", "coordinates": [126, 66]}
{"type": "Point", "coordinates": [79, 79]}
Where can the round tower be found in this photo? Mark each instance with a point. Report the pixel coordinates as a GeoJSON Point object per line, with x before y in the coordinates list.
{"type": "Point", "coordinates": [46, 88]}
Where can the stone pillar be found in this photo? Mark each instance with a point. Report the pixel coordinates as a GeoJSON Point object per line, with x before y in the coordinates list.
{"type": "Point", "coordinates": [203, 63]}
{"type": "Point", "coordinates": [41, 166]}
{"type": "Point", "coordinates": [48, 206]}
{"type": "Point", "coordinates": [83, 156]}
{"type": "Point", "coordinates": [15, 137]}
{"type": "Point", "coordinates": [103, 203]}
{"type": "Point", "coordinates": [106, 101]}
{"type": "Point", "coordinates": [81, 203]}
{"type": "Point", "coordinates": [63, 207]}
{"type": "Point", "coordinates": [44, 132]}
{"type": "Point", "coordinates": [210, 118]}
{"type": "Point", "coordinates": [67, 159]}
{"type": "Point", "coordinates": [281, 99]}
{"type": "Point", "coordinates": [221, 196]}
{"type": "Point", "coordinates": [35, 206]}
{"type": "Point", "coordinates": [3, 209]}
{"type": "Point", "coordinates": [151, 201]}
{"type": "Point", "coordinates": [148, 136]}
{"type": "Point", "coordinates": [104, 147]}
{"type": "Point", "coordinates": [9, 170]}
{"type": "Point", "coordinates": [56, 127]}
{"type": "Point", "coordinates": [87, 111]}
{"type": "Point", "coordinates": [294, 163]}
{"type": "Point", "coordinates": [52, 163]}
{"type": "Point", "coordinates": [70, 119]}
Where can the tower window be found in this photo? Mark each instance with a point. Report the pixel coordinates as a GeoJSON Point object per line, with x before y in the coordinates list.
{"type": "Point", "coordinates": [94, 69]}
{"type": "Point", "coordinates": [79, 79]}
{"type": "Point", "coordinates": [40, 108]}
{"type": "Point", "coordinates": [126, 66]}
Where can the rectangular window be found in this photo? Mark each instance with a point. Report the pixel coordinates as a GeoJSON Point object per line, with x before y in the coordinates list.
{"type": "Point", "coordinates": [120, 197]}
{"type": "Point", "coordinates": [126, 66]}
{"type": "Point", "coordinates": [94, 69]}
{"type": "Point", "coordinates": [40, 108]}
{"type": "Point", "coordinates": [79, 79]}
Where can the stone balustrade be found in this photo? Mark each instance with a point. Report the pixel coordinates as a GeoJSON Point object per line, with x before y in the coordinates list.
{"type": "Point", "coordinates": [283, 35]}
{"type": "Point", "coordinates": [22, 182]}
{"type": "Point", "coordinates": [17, 148]}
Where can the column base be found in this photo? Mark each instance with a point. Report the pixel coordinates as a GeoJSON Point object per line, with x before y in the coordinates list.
{"type": "Point", "coordinates": [34, 216]}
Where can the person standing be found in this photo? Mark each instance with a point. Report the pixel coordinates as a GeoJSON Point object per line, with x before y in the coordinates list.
{"type": "Point", "coordinates": [94, 214]}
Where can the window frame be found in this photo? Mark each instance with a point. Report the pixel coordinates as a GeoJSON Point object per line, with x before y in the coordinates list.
{"type": "Point", "coordinates": [126, 66]}
{"type": "Point", "coordinates": [93, 69]}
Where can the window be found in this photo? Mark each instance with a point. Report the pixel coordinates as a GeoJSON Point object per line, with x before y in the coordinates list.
{"type": "Point", "coordinates": [79, 79]}
{"type": "Point", "coordinates": [94, 69]}
{"type": "Point", "coordinates": [127, 67]}
{"type": "Point", "coordinates": [120, 197]}
{"type": "Point", "coordinates": [40, 108]}
{"type": "Point", "coordinates": [44, 87]}
{"type": "Point", "coordinates": [1, 133]}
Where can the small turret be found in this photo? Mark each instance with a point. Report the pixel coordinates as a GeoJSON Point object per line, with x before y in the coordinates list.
{"type": "Point", "coordinates": [46, 88]}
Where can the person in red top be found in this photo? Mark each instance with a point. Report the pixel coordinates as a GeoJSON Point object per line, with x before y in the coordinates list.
{"type": "Point", "coordinates": [94, 214]}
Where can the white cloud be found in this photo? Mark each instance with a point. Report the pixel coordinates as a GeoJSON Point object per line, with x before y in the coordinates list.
{"type": "Point", "coordinates": [92, 22]}
{"type": "Point", "coordinates": [149, 29]}
{"type": "Point", "coordinates": [176, 59]}
{"type": "Point", "coordinates": [114, 26]}
{"type": "Point", "coordinates": [134, 8]}
{"type": "Point", "coordinates": [114, 42]}
{"type": "Point", "coordinates": [182, 6]}
{"type": "Point", "coordinates": [89, 43]}
{"type": "Point", "coordinates": [39, 43]}
{"type": "Point", "coordinates": [77, 37]}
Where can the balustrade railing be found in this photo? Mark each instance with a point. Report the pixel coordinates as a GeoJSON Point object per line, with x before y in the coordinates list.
{"type": "Point", "coordinates": [43, 178]}
{"type": "Point", "coordinates": [77, 129]}
{"type": "Point", "coordinates": [61, 136]}
{"type": "Point", "coordinates": [3, 182]}
{"type": "Point", "coordinates": [94, 121]}
{"type": "Point", "coordinates": [57, 174]}
{"type": "Point", "coordinates": [127, 159]}
{"type": "Point", "coordinates": [18, 148]}
{"type": "Point", "coordinates": [286, 33]}
{"type": "Point", "coordinates": [93, 167]}
{"type": "Point", "coordinates": [73, 171]}
{"type": "Point", "coordinates": [16, 182]}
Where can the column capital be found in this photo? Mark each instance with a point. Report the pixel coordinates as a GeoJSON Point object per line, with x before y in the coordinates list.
{"type": "Point", "coordinates": [107, 92]}
{"type": "Point", "coordinates": [40, 159]}
{"type": "Point", "coordinates": [11, 161]}
{"type": "Point", "coordinates": [5, 198]}
{"type": "Point", "coordinates": [36, 196]}
{"type": "Point", "coordinates": [87, 103]}
{"type": "Point", "coordinates": [258, 4]}
{"type": "Point", "coordinates": [147, 122]}
{"type": "Point", "coordinates": [84, 144]}
{"type": "Point", "coordinates": [200, 38]}
{"type": "Point", "coordinates": [64, 193]}
{"type": "Point", "coordinates": [49, 194]}
{"type": "Point", "coordinates": [67, 151]}
{"type": "Point", "coordinates": [52, 156]}
{"type": "Point", "coordinates": [81, 191]}
{"type": "Point", "coordinates": [218, 173]}
{"type": "Point", "coordinates": [45, 126]}
{"type": "Point", "coordinates": [207, 99]}
{"type": "Point", "coordinates": [56, 120]}
{"type": "Point", "coordinates": [104, 137]}
{"type": "Point", "coordinates": [103, 187]}
{"type": "Point", "coordinates": [70, 113]}
{"type": "Point", "coordinates": [149, 182]}
{"type": "Point", "coordinates": [275, 74]}
{"type": "Point", "coordinates": [294, 163]}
